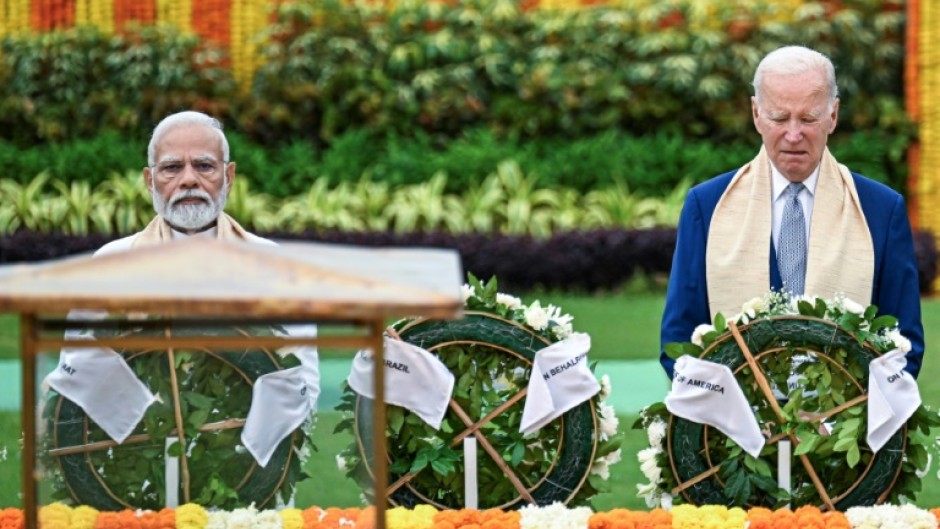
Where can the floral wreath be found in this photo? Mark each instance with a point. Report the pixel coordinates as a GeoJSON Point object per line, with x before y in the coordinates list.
{"type": "Point", "coordinates": [490, 352]}
{"type": "Point", "coordinates": [818, 370]}
{"type": "Point", "coordinates": [212, 395]}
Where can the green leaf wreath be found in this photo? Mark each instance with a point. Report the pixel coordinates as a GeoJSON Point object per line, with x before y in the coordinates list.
{"type": "Point", "coordinates": [484, 381]}
{"type": "Point", "coordinates": [808, 382]}
{"type": "Point", "coordinates": [213, 388]}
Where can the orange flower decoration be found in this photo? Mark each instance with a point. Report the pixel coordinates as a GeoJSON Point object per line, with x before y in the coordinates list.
{"type": "Point", "coordinates": [806, 517]}
{"type": "Point", "coordinates": [162, 519]}
{"type": "Point", "coordinates": [626, 519]}
{"type": "Point", "coordinates": [11, 518]}
{"type": "Point", "coordinates": [125, 519]}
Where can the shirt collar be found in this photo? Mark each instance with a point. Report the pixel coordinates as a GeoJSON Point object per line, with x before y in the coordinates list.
{"type": "Point", "coordinates": [780, 182]}
{"type": "Point", "coordinates": [211, 233]}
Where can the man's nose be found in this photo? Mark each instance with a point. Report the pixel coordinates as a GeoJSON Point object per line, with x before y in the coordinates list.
{"type": "Point", "coordinates": [189, 178]}
{"type": "Point", "coordinates": [794, 131]}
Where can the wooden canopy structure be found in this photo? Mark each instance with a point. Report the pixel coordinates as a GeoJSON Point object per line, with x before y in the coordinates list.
{"type": "Point", "coordinates": [196, 280]}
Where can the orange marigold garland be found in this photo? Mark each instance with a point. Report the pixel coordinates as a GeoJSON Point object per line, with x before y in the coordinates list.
{"type": "Point", "coordinates": [11, 518]}
{"type": "Point", "coordinates": [627, 519]}
{"type": "Point", "coordinates": [126, 519]}
{"type": "Point", "coordinates": [162, 519]}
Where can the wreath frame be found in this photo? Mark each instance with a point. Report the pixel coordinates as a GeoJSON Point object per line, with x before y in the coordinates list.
{"type": "Point", "coordinates": [686, 440]}
{"type": "Point", "coordinates": [567, 474]}
{"type": "Point", "coordinates": [71, 427]}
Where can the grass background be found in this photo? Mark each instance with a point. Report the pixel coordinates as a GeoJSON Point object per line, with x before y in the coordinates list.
{"type": "Point", "coordinates": [623, 326]}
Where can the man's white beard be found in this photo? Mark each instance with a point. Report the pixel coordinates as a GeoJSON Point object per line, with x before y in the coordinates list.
{"type": "Point", "coordinates": [192, 217]}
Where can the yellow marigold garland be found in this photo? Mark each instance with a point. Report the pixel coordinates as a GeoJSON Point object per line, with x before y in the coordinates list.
{"type": "Point", "coordinates": [290, 519]}
{"type": "Point", "coordinates": [191, 516]}
{"type": "Point", "coordinates": [708, 517]}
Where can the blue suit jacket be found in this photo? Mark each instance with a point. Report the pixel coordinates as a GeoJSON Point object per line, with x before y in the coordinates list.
{"type": "Point", "coordinates": [895, 291]}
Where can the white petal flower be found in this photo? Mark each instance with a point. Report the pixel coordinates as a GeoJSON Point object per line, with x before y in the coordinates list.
{"type": "Point", "coordinates": [665, 501]}
{"type": "Point", "coordinates": [699, 333]}
{"type": "Point", "coordinates": [341, 463]}
{"type": "Point", "coordinates": [510, 302]}
{"type": "Point", "coordinates": [649, 465]}
{"type": "Point", "coordinates": [608, 422]}
{"type": "Point", "coordinates": [851, 306]}
{"type": "Point", "coordinates": [754, 306]}
{"type": "Point", "coordinates": [656, 432]}
{"type": "Point", "coordinates": [554, 516]}
{"type": "Point", "coordinates": [899, 340]}
{"type": "Point", "coordinates": [467, 291]}
{"type": "Point", "coordinates": [605, 388]}
{"type": "Point", "coordinates": [536, 317]}
{"type": "Point", "coordinates": [216, 520]}
{"type": "Point", "coordinates": [600, 467]}
{"type": "Point", "coordinates": [614, 457]}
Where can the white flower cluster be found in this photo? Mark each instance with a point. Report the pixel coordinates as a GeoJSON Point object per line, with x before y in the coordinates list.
{"type": "Point", "coordinates": [245, 518]}
{"type": "Point", "coordinates": [779, 304]}
{"type": "Point", "coordinates": [534, 315]}
{"type": "Point", "coordinates": [554, 516]}
{"type": "Point", "coordinates": [607, 428]}
{"type": "Point", "coordinates": [649, 458]}
{"type": "Point", "coordinates": [890, 517]}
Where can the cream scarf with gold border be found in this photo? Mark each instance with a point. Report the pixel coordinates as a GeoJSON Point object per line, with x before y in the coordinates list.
{"type": "Point", "coordinates": [158, 231]}
{"type": "Point", "coordinates": [840, 255]}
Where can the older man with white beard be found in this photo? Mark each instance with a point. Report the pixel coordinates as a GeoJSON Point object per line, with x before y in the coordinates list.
{"type": "Point", "coordinates": [189, 176]}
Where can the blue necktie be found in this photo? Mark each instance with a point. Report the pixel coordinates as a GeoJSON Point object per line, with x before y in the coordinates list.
{"type": "Point", "coordinates": [791, 251]}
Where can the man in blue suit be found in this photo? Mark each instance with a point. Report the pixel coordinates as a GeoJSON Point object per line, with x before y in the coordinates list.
{"type": "Point", "coordinates": [854, 237]}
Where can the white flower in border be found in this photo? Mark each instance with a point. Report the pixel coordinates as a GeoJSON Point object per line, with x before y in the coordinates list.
{"type": "Point", "coordinates": [605, 388]}
{"type": "Point", "coordinates": [242, 518]}
{"type": "Point", "coordinates": [656, 432]}
{"type": "Point", "coordinates": [536, 317]}
{"type": "Point", "coordinates": [608, 422]}
{"type": "Point", "coordinates": [699, 333]}
{"type": "Point", "coordinates": [216, 520]}
{"type": "Point", "coordinates": [467, 291]}
{"type": "Point", "coordinates": [340, 463]}
{"type": "Point", "coordinates": [510, 302]}
{"type": "Point", "coordinates": [267, 519]}
{"type": "Point", "coordinates": [554, 516]}
{"type": "Point", "coordinates": [891, 517]}
{"type": "Point", "coordinates": [899, 340]}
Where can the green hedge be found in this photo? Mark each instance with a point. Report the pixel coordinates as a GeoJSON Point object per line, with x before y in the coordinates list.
{"type": "Point", "coordinates": [331, 66]}
{"type": "Point", "coordinates": [653, 164]}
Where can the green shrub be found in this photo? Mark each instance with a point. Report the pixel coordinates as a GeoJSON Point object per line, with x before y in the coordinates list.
{"type": "Point", "coordinates": [80, 81]}
{"type": "Point", "coordinates": [652, 164]}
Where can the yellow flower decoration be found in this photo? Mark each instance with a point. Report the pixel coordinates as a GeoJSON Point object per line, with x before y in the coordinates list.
{"type": "Point", "coordinates": [422, 517]}
{"type": "Point", "coordinates": [83, 517]}
{"type": "Point", "coordinates": [292, 518]}
{"type": "Point", "coordinates": [55, 516]}
{"type": "Point", "coordinates": [191, 516]}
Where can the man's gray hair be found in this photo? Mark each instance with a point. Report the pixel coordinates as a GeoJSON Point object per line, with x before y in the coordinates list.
{"type": "Point", "coordinates": [793, 60]}
{"type": "Point", "coordinates": [189, 117]}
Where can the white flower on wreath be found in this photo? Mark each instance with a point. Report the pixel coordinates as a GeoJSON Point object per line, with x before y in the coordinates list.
{"type": "Point", "coordinates": [510, 302]}
{"type": "Point", "coordinates": [467, 291]}
{"type": "Point", "coordinates": [340, 463]}
{"type": "Point", "coordinates": [601, 465]}
{"type": "Point", "coordinates": [536, 317]}
{"type": "Point", "coordinates": [243, 518]}
{"type": "Point", "coordinates": [754, 306]}
{"type": "Point", "coordinates": [649, 464]}
{"type": "Point", "coordinates": [849, 305]}
{"type": "Point", "coordinates": [605, 388]}
{"type": "Point", "coordinates": [608, 422]}
{"type": "Point", "coordinates": [899, 341]}
{"type": "Point", "coordinates": [698, 335]}
{"type": "Point", "coordinates": [656, 432]}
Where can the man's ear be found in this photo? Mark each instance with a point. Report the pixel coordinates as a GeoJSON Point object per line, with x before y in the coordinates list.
{"type": "Point", "coordinates": [148, 178]}
{"type": "Point", "coordinates": [230, 175]}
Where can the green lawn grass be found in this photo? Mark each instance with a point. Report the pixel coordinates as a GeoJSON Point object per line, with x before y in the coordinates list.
{"type": "Point", "coordinates": [622, 325]}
